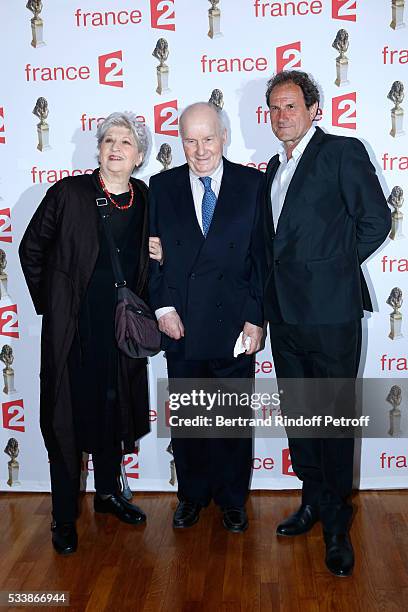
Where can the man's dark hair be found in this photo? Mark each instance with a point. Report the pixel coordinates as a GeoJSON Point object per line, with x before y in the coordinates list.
{"type": "Point", "coordinates": [305, 82]}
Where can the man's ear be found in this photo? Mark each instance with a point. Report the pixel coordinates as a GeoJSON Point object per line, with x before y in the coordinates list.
{"type": "Point", "coordinates": [313, 110]}
{"type": "Point", "coordinates": [224, 136]}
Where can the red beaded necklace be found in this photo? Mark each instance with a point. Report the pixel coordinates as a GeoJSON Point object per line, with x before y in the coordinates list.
{"type": "Point", "coordinates": [108, 195]}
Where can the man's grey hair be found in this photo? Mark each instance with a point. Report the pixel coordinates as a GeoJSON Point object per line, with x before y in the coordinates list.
{"type": "Point", "coordinates": [222, 125]}
{"type": "Point", "coordinates": [128, 120]}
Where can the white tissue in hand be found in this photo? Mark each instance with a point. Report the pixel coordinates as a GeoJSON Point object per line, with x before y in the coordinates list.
{"type": "Point", "coordinates": [241, 347]}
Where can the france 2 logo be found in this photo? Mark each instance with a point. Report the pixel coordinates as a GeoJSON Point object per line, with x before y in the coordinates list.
{"type": "Point", "coordinates": [287, 468]}
{"type": "Point", "coordinates": [132, 465]}
{"type": "Point", "coordinates": [2, 128]}
{"type": "Point", "coordinates": [13, 415]}
{"type": "Point", "coordinates": [166, 118]}
{"type": "Point", "coordinates": [5, 225]}
{"type": "Point", "coordinates": [9, 321]}
{"type": "Point", "coordinates": [344, 111]}
{"type": "Point", "coordinates": [110, 69]}
{"type": "Point", "coordinates": [288, 56]}
{"type": "Point", "coordinates": [344, 9]}
{"type": "Point", "coordinates": [163, 14]}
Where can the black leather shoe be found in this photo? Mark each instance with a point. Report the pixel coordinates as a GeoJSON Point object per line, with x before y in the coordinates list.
{"type": "Point", "coordinates": [235, 519]}
{"type": "Point", "coordinates": [64, 538]}
{"type": "Point", "coordinates": [119, 507]}
{"type": "Point", "coordinates": [299, 522]}
{"type": "Point", "coordinates": [339, 554]}
{"type": "Point", "coordinates": [187, 514]}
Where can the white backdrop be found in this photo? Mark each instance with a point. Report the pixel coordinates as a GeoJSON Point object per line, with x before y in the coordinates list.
{"type": "Point", "coordinates": [88, 69]}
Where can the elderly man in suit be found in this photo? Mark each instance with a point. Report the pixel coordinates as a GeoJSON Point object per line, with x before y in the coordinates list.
{"type": "Point", "coordinates": [208, 290]}
{"type": "Point", "coordinates": [325, 214]}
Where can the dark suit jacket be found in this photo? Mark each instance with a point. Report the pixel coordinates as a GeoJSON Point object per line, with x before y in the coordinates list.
{"type": "Point", "coordinates": [334, 217]}
{"type": "Point", "coordinates": [215, 283]}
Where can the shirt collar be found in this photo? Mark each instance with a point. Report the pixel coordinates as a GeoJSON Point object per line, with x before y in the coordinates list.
{"type": "Point", "coordinates": [300, 147]}
{"type": "Point", "coordinates": [215, 176]}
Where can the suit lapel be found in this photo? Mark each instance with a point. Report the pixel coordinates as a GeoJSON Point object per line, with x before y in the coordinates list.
{"type": "Point", "coordinates": [272, 170]}
{"type": "Point", "coordinates": [301, 172]}
{"type": "Point", "coordinates": [226, 201]}
{"type": "Point", "coordinates": [184, 207]}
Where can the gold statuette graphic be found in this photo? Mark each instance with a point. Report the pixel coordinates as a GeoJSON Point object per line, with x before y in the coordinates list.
{"type": "Point", "coordinates": [341, 44]}
{"type": "Point", "coordinates": [40, 110]}
{"type": "Point", "coordinates": [396, 200]}
{"type": "Point", "coordinates": [217, 98]}
{"type": "Point", "coordinates": [161, 52]}
{"type": "Point", "coordinates": [7, 357]}
{"type": "Point", "coordinates": [397, 21]}
{"type": "Point", "coordinates": [12, 451]}
{"type": "Point", "coordinates": [173, 475]}
{"type": "Point", "coordinates": [395, 301]}
{"type": "Point", "coordinates": [394, 398]}
{"type": "Point", "coordinates": [214, 18]}
{"type": "Point", "coordinates": [3, 275]}
{"type": "Point", "coordinates": [36, 6]}
{"type": "Point", "coordinates": [396, 95]}
{"type": "Point", "coordinates": [164, 156]}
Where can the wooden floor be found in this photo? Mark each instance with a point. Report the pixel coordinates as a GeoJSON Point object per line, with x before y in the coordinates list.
{"type": "Point", "coordinates": [119, 567]}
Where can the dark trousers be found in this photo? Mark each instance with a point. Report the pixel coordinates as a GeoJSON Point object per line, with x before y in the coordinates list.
{"type": "Point", "coordinates": [212, 468]}
{"type": "Point", "coordinates": [324, 465]}
{"type": "Point", "coordinates": [65, 489]}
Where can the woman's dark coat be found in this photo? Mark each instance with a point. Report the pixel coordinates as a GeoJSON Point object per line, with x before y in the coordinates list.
{"type": "Point", "coordinates": [58, 254]}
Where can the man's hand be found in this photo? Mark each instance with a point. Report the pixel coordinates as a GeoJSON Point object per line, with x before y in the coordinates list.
{"type": "Point", "coordinates": [171, 325]}
{"type": "Point", "coordinates": [155, 249]}
{"type": "Point", "coordinates": [255, 334]}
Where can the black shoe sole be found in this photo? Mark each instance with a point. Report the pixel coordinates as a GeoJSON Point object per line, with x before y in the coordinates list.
{"type": "Point", "coordinates": [64, 551]}
{"type": "Point", "coordinates": [341, 575]}
{"type": "Point", "coordinates": [177, 525]}
{"type": "Point", "coordinates": [181, 526]}
{"type": "Point", "coordinates": [232, 529]}
{"type": "Point", "coordinates": [292, 535]}
{"type": "Point", "coordinates": [141, 521]}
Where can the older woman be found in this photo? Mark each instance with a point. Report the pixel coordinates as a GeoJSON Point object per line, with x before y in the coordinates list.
{"type": "Point", "coordinates": [93, 397]}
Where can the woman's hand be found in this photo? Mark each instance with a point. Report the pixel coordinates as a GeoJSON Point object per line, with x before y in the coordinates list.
{"type": "Point", "coordinates": [155, 249]}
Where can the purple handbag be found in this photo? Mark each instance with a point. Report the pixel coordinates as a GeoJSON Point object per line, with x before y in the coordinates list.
{"type": "Point", "coordinates": [136, 328]}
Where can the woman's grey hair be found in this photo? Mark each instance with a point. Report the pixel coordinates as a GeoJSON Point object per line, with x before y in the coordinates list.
{"type": "Point", "coordinates": [128, 120]}
{"type": "Point", "coordinates": [222, 124]}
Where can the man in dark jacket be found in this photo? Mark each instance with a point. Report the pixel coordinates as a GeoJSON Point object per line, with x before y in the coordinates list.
{"type": "Point", "coordinates": [208, 291]}
{"type": "Point", "coordinates": [325, 214]}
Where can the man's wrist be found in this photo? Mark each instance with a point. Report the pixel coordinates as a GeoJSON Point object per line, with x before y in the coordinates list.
{"type": "Point", "coordinates": [160, 312]}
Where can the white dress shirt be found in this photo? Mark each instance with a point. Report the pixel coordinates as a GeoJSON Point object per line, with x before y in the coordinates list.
{"type": "Point", "coordinates": [285, 172]}
{"type": "Point", "coordinates": [197, 190]}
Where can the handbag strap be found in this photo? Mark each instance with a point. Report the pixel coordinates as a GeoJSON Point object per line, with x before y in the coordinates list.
{"type": "Point", "coordinates": [102, 206]}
